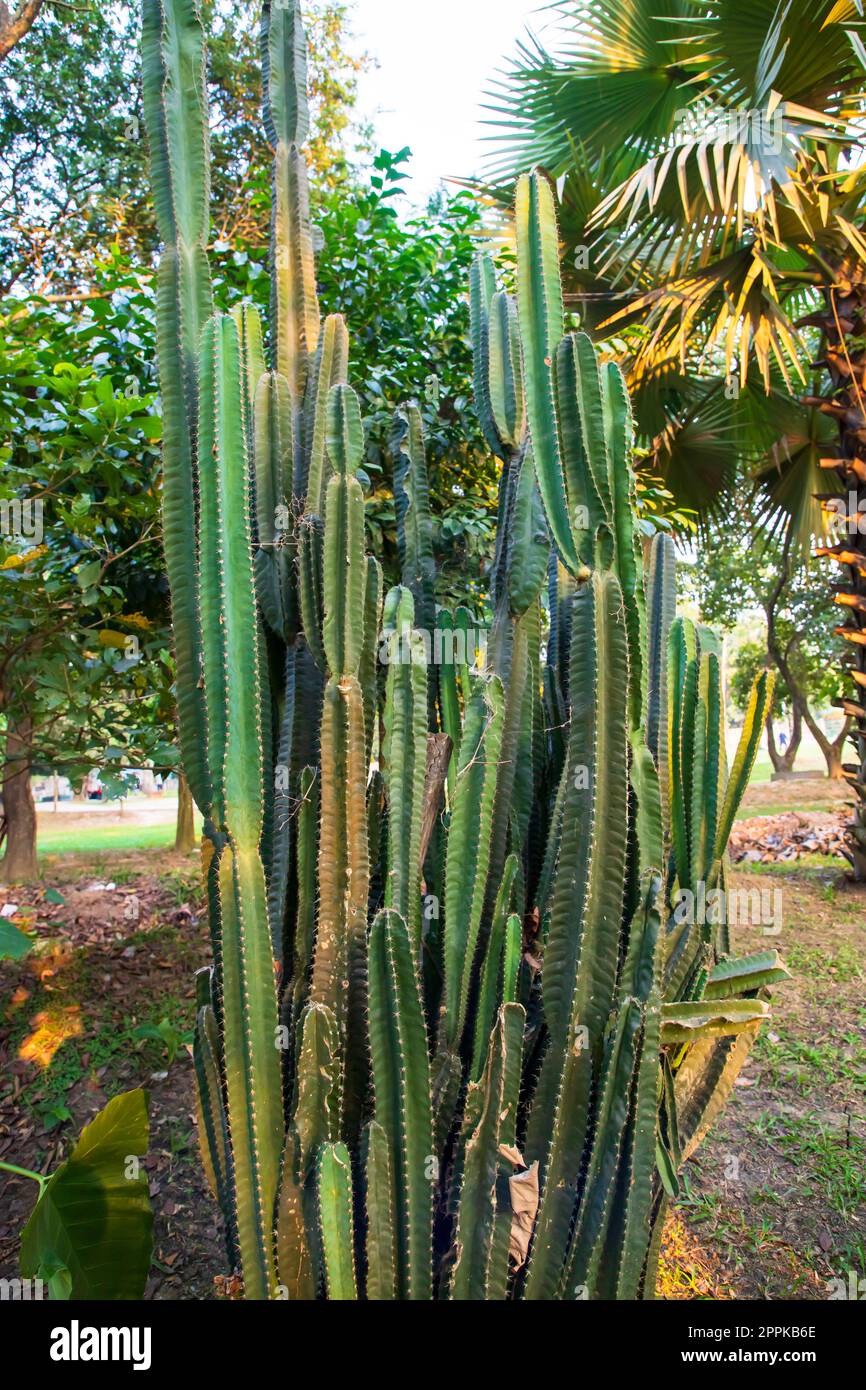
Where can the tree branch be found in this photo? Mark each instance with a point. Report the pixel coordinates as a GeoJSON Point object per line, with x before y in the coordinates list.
{"type": "Point", "coordinates": [15, 24]}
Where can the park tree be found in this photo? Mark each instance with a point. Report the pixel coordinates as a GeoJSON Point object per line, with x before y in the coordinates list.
{"type": "Point", "coordinates": [749, 660]}
{"type": "Point", "coordinates": [713, 218]}
{"type": "Point", "coordinates": [737, 573]}
{"type": "Point", "coordinates": [85, 665]}
{"type": "Point", "coordinates": [73, 165]}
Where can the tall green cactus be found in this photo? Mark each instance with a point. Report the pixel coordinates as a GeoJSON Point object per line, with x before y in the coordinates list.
{"type": "Point", "coordinates": [427, 1003]}
{"type": "Point", "coordinates": [173, 79]}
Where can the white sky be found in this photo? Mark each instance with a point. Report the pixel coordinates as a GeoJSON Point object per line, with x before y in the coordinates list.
{"type": "Point", "coordinates": [435, 61]}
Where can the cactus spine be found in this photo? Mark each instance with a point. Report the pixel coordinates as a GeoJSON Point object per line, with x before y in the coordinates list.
{"type": "Point", "coordinates": [427, 1002]}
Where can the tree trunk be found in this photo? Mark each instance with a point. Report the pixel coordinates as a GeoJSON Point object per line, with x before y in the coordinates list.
{"type": "Point", "coordinates": [772, 747]}
{"type": "Point", "coordinates": [783, 763]}
{"type": "Point", "coordinates": [796, 739]}
{"type": "Point", "coordinates": [184, 840]}
{"type": "Point", "coordinates": [780, 658]}
{"type": "Point", "coordinates": [835, 766]}
{"type": "Point", "coordinates": [844, 330]}
{"type": "Point", "coordinates": [19, 862]}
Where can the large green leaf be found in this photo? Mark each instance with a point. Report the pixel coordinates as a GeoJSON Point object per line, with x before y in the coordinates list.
{"type": "Point", "coordinates": [90, 1233]}
{"type": "Point", "coordinates": [14, 945]}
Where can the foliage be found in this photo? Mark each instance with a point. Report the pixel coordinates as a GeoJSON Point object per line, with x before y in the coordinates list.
{"type": "Point", "coordinates": [750, 660]}
{"type": "Point", "coordinates": [89, 1235]}
{"type": "Point", "coordinates": [709, 206]}
{"type": "Point", "coordinates": [402, 279]}
{"type": "Point", "coordinates": [172, 1038]}
{"type": "Point", "coordinates": [14, 944]}
{"type": "Point", "coordinates": [84, 646]}
{"type": "Point", "coordinates": [736, 576]}
{"type": "Point", "coordinates": [71, 134]}
{"type": "Point", "coordinates": [441, 887]}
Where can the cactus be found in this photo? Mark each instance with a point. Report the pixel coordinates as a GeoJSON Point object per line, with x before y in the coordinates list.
{"type": "Point", "coordinates": [427, 1001]}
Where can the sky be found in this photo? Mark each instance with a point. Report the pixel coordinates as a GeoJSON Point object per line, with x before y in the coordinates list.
{"type": "Point", "coordinates": [434, 61]}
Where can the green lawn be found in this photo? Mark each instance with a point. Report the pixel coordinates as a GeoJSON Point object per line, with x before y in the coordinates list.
{"type": "Point", "coordinates": [98, 837]}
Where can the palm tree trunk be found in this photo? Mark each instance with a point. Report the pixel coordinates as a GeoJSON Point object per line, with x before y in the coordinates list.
{"type": "Point", "coordinates": [844, 327]}
{"type": "Point", "coordinates": [184, 839]}
{"type": "Point", "coordinates": [19, 862]}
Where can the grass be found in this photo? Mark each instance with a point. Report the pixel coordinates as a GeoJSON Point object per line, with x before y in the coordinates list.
{"type": "Point", "coordinates": [819, 965]}
{"type": "Point", "coordinates": [782, 808]}
{"type": "Point", "coordinates": [773, 1204]}
{"type": "Point", "coordinates": [94, 839]}
{"type": "Point", "coordinates": [794, 868]}
{"type": "Point", "coordinates": [833, 1162]}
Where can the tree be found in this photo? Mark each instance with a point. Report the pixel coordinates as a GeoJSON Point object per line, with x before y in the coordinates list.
{"type": "Point", "coordinates": [85, 669]}
{"type": "Point", "coordinates": [750, 660]}
{"type": "Point", "coordinates": [733, 576]}
{"type": "Point", "coordinates": [16, 22]}
{"type": "Point", "coordinates": [713, 175]}
{"type": "Point", "coordinates": [72, 150]}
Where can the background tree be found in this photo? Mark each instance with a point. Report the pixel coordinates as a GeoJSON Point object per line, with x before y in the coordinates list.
{"type": "Point", "coordinates": [73, 165]}
{"type": "Point", "coordinates": [85, 668]}
{"type": "Point", "coordinates": [713, 216]}
{"type": "Point", "coordinates": [751, 658]}
{"type": "Point", "coordinates": [735, 574]}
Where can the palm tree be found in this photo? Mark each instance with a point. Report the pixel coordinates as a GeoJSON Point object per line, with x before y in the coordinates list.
{"type": "Point", "coordinates": [713, 183]}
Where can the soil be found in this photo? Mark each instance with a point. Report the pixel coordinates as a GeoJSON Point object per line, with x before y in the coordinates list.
{"type": "Point", "coordinates": [69, 1015]}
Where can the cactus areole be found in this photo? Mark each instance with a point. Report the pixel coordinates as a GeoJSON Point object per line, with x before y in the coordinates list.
{"type": "Point", "coordinates": [466, 1062]}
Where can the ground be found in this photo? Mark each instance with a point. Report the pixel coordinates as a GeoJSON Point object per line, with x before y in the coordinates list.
{"type": "Point", "coordinates": [775, 1201]}
{"type": "Point", "coordinates": [105, 1004]}
{"type": "Point", "coordinates": [775, 1206]}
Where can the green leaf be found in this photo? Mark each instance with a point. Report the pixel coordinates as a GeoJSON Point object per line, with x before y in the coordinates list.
{"type": "Point", "coordinates": [151, 427]}
{"type": "Point", "coordinates": [88, 574]}
{"type": "Point", "coordinates": [94, 1220]}
{"type": "Point", "coordinates": [14, 945]}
